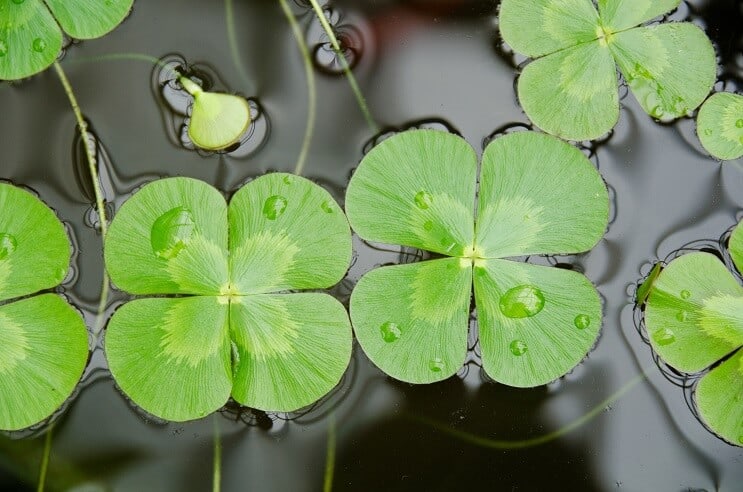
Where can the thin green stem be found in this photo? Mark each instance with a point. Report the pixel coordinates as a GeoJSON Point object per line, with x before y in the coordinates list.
{"type": "Point", "coordinates": [45, 460]}
{"type": "Point", "coordinates": [330, 456]}
{"type": "Point", "coordinates": [535, 441]}
{"type": "Point", "coordinates": [311, 88]}
{"type": "Point", "coordinates": [346, 67]}
{"type": "Point", "coordinates": [217, 477]}
{"type": "Point", "coordinates": [232, 38]}
{"type": "Point", "coordinates": [93, 168]}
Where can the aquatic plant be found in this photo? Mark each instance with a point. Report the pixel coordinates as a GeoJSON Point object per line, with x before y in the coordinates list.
{"type": "Point", "coordinates": [694, 319]}
{"type": "Point", "coordinates": [219, 320]}
{"type": "Point", "coordinates": [570, 87]}
{"type": "Point", "coordinates": [43, 340]}
{"type": "Point", "coordinates": [418, 189]}
{"type": "Point", "coordinates": [720, 125]}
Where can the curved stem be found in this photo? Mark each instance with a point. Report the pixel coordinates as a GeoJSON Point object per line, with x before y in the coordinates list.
{"type": "Point", "coordinates": [346, 67]}
{"type": "Point", "coordinates": [311, 88]}
{"type": "Point", "coordinates": [232, 38]}
{"type": "Point", "coordinates": [45, 460]}
{"type": "Point", "coordinates": [330, 457]}
{"type": "Point", "coordinates": [93, 169]}
{"type": "Point", "coordinates": [534, 441]}
{"type": "Point", "coordinates": [217, 477]}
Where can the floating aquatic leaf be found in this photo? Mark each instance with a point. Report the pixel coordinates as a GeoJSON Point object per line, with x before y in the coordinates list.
{"type": "Point", "coordinates": [570, 88]}
{"type": "Point", "coordinates": [720, 125]}
{"type": "Point", "coordinates": [238, 332]}
{"type": "Point", "coordinates": [535, 323]}
{"type": "Point", "coordinates": [43, 340]}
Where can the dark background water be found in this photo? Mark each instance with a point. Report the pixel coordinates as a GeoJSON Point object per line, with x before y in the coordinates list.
{"type": "Point", "coordinates": [437, 61]}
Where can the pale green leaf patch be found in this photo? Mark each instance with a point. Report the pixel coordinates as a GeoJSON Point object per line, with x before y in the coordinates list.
{"type": "Point", "coordinates": [43, 340]}
{"type": "Point", "coordinates": [694, 319]}
{"type": "Point", "coordinates": [31, 30]}
{"type": "Point", "coordinates": [720, 125]}
{"type": "Point", "coordinates": [237, 332]}
{"type": "Point", "coordinates": [570, 88]}
{"type": "Point", "coordinates": [412, 320]}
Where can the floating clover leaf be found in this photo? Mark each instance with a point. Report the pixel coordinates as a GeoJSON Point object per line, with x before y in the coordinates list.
{"type": "Point", "coordinates": [570, 89]}
{"type": "Point", "coordinates": [537, 195]}
{"type": "Point", "coordinates": [221, 322]}
{"type": "Point", "coordinates": [694, 319]}
{"type": "Point", "coordinates": [30, 34]}
{"type": "Point", "coordinates": [720, 125]}
{"type": "Point", "coordinates": [43, 340]}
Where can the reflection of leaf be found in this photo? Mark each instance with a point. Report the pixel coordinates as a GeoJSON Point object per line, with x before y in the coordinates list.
{"type": "Point", "coordinates": [535, 323]}
{"type": "Point", "coordinates": [570, 89]}
{"type": "Point", "coordinates": [43, 340]}
{"type": "Point", "coordinates": [30, 34]}
{"type": "Point", "coordinates": [720, 126]}
{"type": "Point", "coordinates": [236, 332]}
{"type": "Point", "coordinates": [694, 319]}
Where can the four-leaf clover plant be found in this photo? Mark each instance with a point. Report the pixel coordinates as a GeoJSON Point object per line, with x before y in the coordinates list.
{"type": "Point", "coordinates": [570, 88]}
{"type": "Point", "coordinates": [43, 340]}
{"type": "Point", "coordinates": [218, 318]}
{"type": "Point", "coordinates": [537, 195]}
{"type": "Point", "coordinates": [694, 319]}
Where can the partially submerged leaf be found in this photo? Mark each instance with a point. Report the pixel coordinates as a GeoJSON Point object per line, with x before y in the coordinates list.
{"type": "Point", "coordinates": [720, 125]}
{"type": "Point", "coordinates": [718, 399]}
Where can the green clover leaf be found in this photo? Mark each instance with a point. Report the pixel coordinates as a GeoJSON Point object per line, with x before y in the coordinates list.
{"type": "Point", "coordinates": [219, 321]}
{"type": "Point", "coordinates": [720, 125]}
{"type": "Point", "coordinates": [43, 340]}
{"type": "Point", "coordinates": [31, 30]}
{"type": "Point", "coordinates": [570, 88]}
{"type": "Point", "coordinates": [418, 189]}
{"type": "Point", "coordinates": [694, 319]}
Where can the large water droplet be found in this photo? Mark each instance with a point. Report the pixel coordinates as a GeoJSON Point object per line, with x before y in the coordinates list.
{"type": "Point", "coordinates": [8, 244]}
{"type": "Point", "coordinates": [39, 45]}
{"type": "Point", "coordinates": [423, 200]}
{"type": "Point", "coordinates": [171, 232]}
{"type": "Point", "coordinates": [682, 316]}
{"type": "Point", "coordinates": [664, 336]}
{"type": "Point", "coordinates": [523, 301]}
{"type": "Point", "coordinates": [3, 48]}
{"type": "Point", "coordinates": [436, 364]}
{"type": "Point", "coordinates": [739, 123]}
{"type": "Point", "coordinates": [390, 331]}
{"type": "Point", "coordinates": [582, 321]}
{"type": "Point", "coordinates": [518, 348]}
{"type": "Point", "coordinates": [274, 206]}
{"type": "Point", "coordinates": [685, 294]}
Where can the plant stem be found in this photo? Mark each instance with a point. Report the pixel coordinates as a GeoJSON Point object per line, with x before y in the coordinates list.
{"type": "Point", "coordinates": [330, 456]}
{"type": "Point", "coordinates": [45, 460]}
{"type": "Point", "coordinates": [346, 67]}
{"type": "Point", "coordinates": [311, 88]}
{"type": "Point", "coordinates": [535, 441]}
{"type": "Point", "coordinates": [217, 477]}
{"type": "Point", "coordinates": [232, 38]}
{"type": "Point", "coordinates": [93, 168]}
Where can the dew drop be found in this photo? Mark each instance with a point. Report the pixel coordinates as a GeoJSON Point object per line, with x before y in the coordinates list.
{"type": "Point", "coordinates": [523, 301]}
{"type": "Point", "coordinates": [708, 132]}
{"type": "Point", "coordinates": [274, 206]}
{"type": "Point", "coordinates": [582, 321]}
{"type": "Point", "coordinates": [685, 294]}
{"type": "Point", "coordinates": [682, 316]}
{"type": "Point", "coordinates": [390, 331]}
{"type": "Point", "coordinates": [436, 364]}
{"type": "Point", "coordinates": [327, 207]}
{"type": "Point", "coordinates": [3, 48]}
{"type": "Point", "coordinates": [423, 200]}
{"type": "Point", "coordinates": [518, 348]}
{"type": "Point", "coordinates": [739, 123]}
{"type": "Point", "coordinates": [740, 439]}
{"type": "Point", "coordinates": [287, 180]}
{"type": "Point", "coordinates": [39, 45]}
{"type": "Point", "coordinates": [428, 225]}
{"type": "Point", "coordinates": [664, 336]}
{"type": "Point", "coordinates": [8, 244]}
{"type": "Point", "coordinates": [657, 112]}
{"type": "Point", "coordinates": [172, 232]}
{"type": "Point", "coordinates": [18, 2]}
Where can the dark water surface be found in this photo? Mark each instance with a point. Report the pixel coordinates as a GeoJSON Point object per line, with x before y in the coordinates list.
{"type": "Point", "coordinates": [422, 61]}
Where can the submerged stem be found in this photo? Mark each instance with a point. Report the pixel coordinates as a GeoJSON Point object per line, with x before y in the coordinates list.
{"type": "Point", "coordinates": [534, 441]}
{"type": "Point", "coordinates": [92, 167]}
{"type": "Point", "coordinates": [311, 88]}
{"type": "Point", "coordinates": [330, 456]}
{"type": "Point", "coordinates": [45, 460]}
{"type": "Point", "coordinates": [217, 477]}
{"type": "Point", "coordinates": [346, 67]}
{"type": "Point", "coordinates": [232, 38]}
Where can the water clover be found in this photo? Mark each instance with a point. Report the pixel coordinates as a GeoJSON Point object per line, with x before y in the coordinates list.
{"type": "Point", "coordinates": [537, 195]}
{"type": "Point", "coordinates": [217, 320]}
{"type": "Point", "coordinates": [570, 88]}
{"type": "Point", "coordinates": [720, 125]}
{"type": "Point", "coordinates": [43, 340]}
{"type": "Point", "coordinates": [31, 30]}
{"type": "Point", "coordinates": [694, 319]}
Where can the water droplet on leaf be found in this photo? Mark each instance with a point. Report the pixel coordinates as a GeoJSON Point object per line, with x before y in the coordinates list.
{"type": "Point", "coordinates": [428, 225]}
{"type": "Point", "coordinates": [18, 2]}
{"type": "Point", "coordinates": [390, 331]}
{"type": "Point", "coordinates": [708, 132]}
{"type": "Point", "coordinates": [274, 206]}
{"type": "Point", "coordinates": [8, 244]}
{"type": "Point", "coordinates": [582, 321]}
{"type": "Point", "coordinates": [327, 207]}
{"type": "Point", "coordinates": [3, 48]}
{"type": "Point", "coordinates": [739, 123]}
{"type": "Point", "coordinates": [682, 316]}
{"type": "Point", "coordinates": [39, 45]}
{"type": "Point", "coordinates": [436, 364]}
{"type": "Point", "coordinates": [171, 232]}
{"type": "Point", "coordinates": [664, 336]}
{"type": "Point", "coordinates": [685, 294]}
{"type": "Point", "coordinates": [287, 180]}
{"type": "Point", "coordinates": [423, 200]}
{"type": "Point", "coordinates": [523, 301]}
{"type": "Point", "coordinates": [518, 348]}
